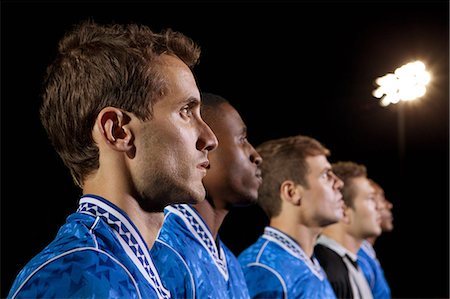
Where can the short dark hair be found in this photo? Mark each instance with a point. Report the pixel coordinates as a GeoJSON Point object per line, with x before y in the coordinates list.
{"type": "Point", "coordinates": [347, 171]}
{"type": "Point", "coordinates": [99, 66]}
{"type": "Point", "coordinates": [284, 159]}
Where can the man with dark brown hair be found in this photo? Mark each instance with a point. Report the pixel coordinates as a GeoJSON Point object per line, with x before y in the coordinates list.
{"type": "Point", "coordinates": [339, 243]}
{"type": "Point", "coordinates": [367, 258]}
{"type": "Point", "coordinates": [122, 109]}
{"type": "Point", "coordinates": [300, 194]}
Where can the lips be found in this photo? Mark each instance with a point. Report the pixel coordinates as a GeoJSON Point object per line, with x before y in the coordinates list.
{"type": "Point", "coordinates": [384, 218]}
{"type": "Point", "coordinates": [204, 164]}
{"type": "Point", "coordinates": [258, 175]}
{"type": "Point", "coordinates": [340, 201]}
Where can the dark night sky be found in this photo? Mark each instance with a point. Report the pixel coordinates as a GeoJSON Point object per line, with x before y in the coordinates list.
{"type": "Point", "coordinates": [289, 68]}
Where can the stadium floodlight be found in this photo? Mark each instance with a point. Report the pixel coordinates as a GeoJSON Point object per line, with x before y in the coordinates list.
{"type": "Point", "coordinates": [407, 83]}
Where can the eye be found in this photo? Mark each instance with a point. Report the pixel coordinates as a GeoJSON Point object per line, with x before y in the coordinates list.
{"type": "Point", "coordinates": [328, 175]}
{"type": "Point", "coordinates": [242, 136]}
{"type": "Point", "coordinates": [187, 110]}
{"type": "Point", "coordinates": [243, 139]}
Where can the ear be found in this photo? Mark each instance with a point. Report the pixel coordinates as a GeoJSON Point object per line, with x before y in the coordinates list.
{"type": "Point", "coordinates": [113, 125]}
{"type": "Point", "coordinates": [348, 212]}
{"type": "Point", "coordinates": [291, 192]}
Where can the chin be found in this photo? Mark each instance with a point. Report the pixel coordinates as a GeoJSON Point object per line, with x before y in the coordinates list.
{"type": "Point", "coordinates": [189, 196]}
{"type": "Point", "coordinates": [329, 222]}
{"type": "Point", "coordinates": [247, 201]}
{"type": "Point", "coordinates": [194, 201]}
{"type": "Point", "coordinates": [197, 197]}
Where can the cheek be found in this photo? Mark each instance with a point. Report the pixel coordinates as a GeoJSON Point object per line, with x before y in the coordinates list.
{"type": "Point", "coordinates": [234, 162]}
{"type": "Point", "coordinates": [370, 212]}
{"type": "Point", "coordinates": [373, 208]}
{"type": "Point", "coordinates": [175, 135]}
{"type": "Point", "coordinates": [321, 195]}
{"type": "Point", "coordinates": [326, 192]}
{"type": "Point", "coordinates": [241, 175]}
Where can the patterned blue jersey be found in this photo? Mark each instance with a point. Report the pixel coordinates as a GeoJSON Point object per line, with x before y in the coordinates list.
{"type": "Point", "coordinates": [275, 266]}
{"type": "Point", "coordinates": [190, 263]}
{"type": "Point", "coordinates": [373, 271]}
{"type": "Point", "coordinates": [97, 253]}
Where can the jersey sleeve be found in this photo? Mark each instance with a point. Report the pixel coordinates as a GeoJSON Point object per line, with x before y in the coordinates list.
{"type": "Point", "coordinates": [264, 282]}
{"type": "Point", "coordinates": [86, 273]}
{"type": "Point", "coordinates": [173, 270]}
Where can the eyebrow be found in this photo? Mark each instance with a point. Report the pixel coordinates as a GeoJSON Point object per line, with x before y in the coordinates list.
{"type": "Point", "coordinates": [327, 168]}
{"type": "Point", "coordinates": [191, 101]}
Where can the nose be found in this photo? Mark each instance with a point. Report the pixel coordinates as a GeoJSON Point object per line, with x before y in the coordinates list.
{"type": "Point", "coordinates": [207, 140]}
{"type": "Point", "coordinates": [338, 183]}
{"type": "Point", "coordinates": [380, 205]}
{"type": "Point", "coordinates": [255, 157]}
{"type": "Point", "coordinates": [389, 204]}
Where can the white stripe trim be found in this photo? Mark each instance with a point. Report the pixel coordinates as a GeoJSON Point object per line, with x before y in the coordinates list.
{"type": "Point", "coordinates": [122, 219]}
{"type": "Point", "coordinates": [135, 260]}
{"type": "Point", "coordinates": [313, 265]}
{"type": "Point", "coordinates": [283, 284]}
{"type": "Point", "coordinates": [201, 241]}
{"type": "Point", "coordinates": [261, 250]}
{"type": "Point", "coordinates": [72, 251]}
{"type": "Point", "coordinates": [94, 237]}
{"type": "Point", "coordinates": [193, 214]}
{"type": "Point", "coordinates": [194, 288]}
{"type": "Point", "coordinates": [126, 247]}
{"type": "Point", "coordinates": [368, 249]}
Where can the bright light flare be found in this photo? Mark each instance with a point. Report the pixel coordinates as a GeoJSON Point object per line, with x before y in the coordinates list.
{"type": "Point", "coordinates": [407, 83]}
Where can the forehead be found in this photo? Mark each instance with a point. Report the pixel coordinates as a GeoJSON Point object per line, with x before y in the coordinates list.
{"type": "Point", "coordinates": [317, 163]}
{"type": "Point", "coordinates": [379, 193]}
{"type": "Point", "coordinates": [179, 78]}
{"type": "Point", "coordinates": [362, 186]}
{"type": "Point", "coordinates": [226, 121]}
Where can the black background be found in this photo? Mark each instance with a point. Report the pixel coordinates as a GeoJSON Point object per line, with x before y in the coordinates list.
{"type": "Point", "coordinates": [289, 68]}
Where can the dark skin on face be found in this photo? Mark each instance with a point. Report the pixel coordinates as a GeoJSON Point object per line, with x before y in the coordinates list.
{"type": "Point", "coordinates": [234, 176]}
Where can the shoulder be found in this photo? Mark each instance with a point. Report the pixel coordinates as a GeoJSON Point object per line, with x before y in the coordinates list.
{"type": "Point", "coordinates": [229, 254]}
{"type": "Point", "coordinates": [173, 270]}
{"type": "Point", "coordinates": [173, 231]}
{"type": "Point", "coordinates": [264, 282]}
{"type": "Point", "coordinates": [327, 257]}
{"type": "Point", "coordinates": [165, 255]}
{"type": "Point", "coordinates": [254, 252]}
{"type": "Point", "coordinates": [268, 253]}
{"type": "Point", "coordinates": [80, 272]}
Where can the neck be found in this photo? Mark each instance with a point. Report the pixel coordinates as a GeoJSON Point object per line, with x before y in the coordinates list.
{"type": "Point", "coordinates": [149, 226]}
{"type": "Point", "coordinates": [213, 217]}
{"type": "Point", "coordinates": [337, 233]}
{"type": "Point", "coordinates": [148, 223]}
{"type": "Point", "coordinates": [305, 236]}
{"type": "Point", "coordinates": [371, 240]}
{"type": "Point", "coordinates": [112, 182]}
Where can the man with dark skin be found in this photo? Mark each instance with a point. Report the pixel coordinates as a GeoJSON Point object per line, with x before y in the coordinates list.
{"type": "Point", "coordinates": [188, 253]}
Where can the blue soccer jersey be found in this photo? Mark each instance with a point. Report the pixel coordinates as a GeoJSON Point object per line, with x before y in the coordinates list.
{"type": "Point", "coordinates": [373, 271]}
{"type": "Point", "coordinates": [191, 263]}
{"type": "Point", "coordinates": [97, 253]}
{"type": "Point", "coordinates": [277, 267]}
